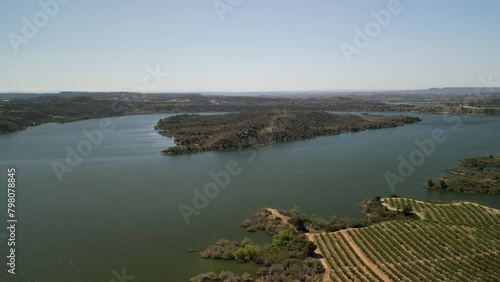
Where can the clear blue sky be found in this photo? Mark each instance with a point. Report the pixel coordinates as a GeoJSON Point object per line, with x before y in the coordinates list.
{"type": "Point", "coordinates": [260, 45]}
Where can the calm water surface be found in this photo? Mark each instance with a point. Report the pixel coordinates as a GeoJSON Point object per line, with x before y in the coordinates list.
{"type": "Point", "coordinates": [119, 207]}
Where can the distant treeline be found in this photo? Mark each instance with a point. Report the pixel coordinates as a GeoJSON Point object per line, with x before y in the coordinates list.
{"type": "Point", "coordinates": [19, 113]}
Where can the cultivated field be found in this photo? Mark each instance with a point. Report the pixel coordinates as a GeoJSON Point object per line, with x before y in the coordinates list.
{"type": "Point", "coordinates": [451, 242]}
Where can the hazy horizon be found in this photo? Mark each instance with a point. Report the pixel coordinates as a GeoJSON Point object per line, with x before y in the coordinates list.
{"type": "Point", "coordinates": [257, 92]}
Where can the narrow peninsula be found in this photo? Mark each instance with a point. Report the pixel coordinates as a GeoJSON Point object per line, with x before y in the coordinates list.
{"type": "Point", "coordinates": [197, 133]}
{"type": "Point", "coordinates": [479, 175]}
{"type": "Point", "coordinates": [398, 239]}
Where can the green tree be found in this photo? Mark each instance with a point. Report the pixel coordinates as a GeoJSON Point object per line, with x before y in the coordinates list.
{"type": "Point", "coordinates": [283, 238]}
{"type": "Point", "coordinates": [247, 253]}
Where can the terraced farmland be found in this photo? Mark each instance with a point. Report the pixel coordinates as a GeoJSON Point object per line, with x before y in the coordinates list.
{"type": "Point", "coordinates": [451, 242]}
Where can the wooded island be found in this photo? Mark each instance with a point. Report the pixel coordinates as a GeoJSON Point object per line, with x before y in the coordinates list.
{"type": "Point", "coordinates": [197, 133]}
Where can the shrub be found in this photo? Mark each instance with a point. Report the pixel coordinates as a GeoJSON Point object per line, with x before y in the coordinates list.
{"type": "Point", "coordinates": [248, 253]}
{"type": "Point", "coordinates": [283, 237]}
{"type": "Point", "coordinates": [246, 223]}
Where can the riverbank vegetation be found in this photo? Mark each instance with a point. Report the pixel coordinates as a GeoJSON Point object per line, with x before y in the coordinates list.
{"type": "Point", "coordinates": [18, 114]}
{"type": "Point", "coordinates": [455, 241]}
{"type": "Point", "coordinates": [288, 258]}
{"type": "Point", "coordinates": [291, 256]}
{"type": "Point", "coordinates": [479, 175]}
{"type": "Point", "coordinates": [373, 212]}
{"type": "Point", "coordinates": [196, 133]}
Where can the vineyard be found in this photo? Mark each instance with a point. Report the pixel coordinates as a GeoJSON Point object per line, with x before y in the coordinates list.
{"type": "Point", "coordinates": [451, 242]}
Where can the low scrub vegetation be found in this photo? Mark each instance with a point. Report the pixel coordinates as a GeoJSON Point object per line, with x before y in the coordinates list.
{"type": "Point", "coordinates": [224, 276]}
{"type": "Point", "coordinates": [287, 258]}
{"type": "Point", "coordinates": [373, 210]}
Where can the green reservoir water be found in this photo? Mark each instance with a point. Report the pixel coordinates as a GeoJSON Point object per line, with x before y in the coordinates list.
{"type": "Point", "coordinates": [119, 208]}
